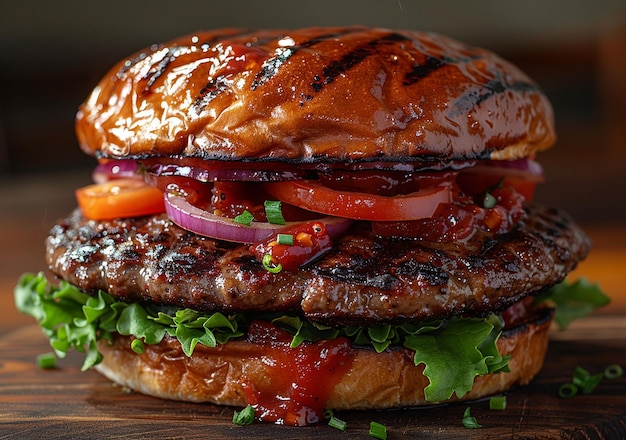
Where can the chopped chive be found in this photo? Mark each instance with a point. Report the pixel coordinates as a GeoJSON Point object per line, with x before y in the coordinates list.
{"type": "Point", "coordinates": [270, 266]}
{"type": "Point", "coordinates": [47, 361]}
{"type": "Point", "coordinates": [336, 423]}
{"type": "Point", "coordinates": [497, 403]}
{"type": "Point", "coordinates": [568, 390]}
{"type": "Point", "coordinates": [585, 382]}
{"type": "Point", "coordinates": [285, 239]}
{"type": "Point", "coordinates": [469, 421]}
{"type": "Point", "coordinates": [613, 371]}
{"type": "Point", "coordinates": [378, 431]}
{"type": "Point", "coordinates": [489, 201]}
{"type": "Point", "coordinates": [245, 218]}
{"type": "Point", "coordinates": [273, 212]}
{"type": "Point", "coordinates": [244, 417]}
{"type": "Point", "coordinates": [137, 346]}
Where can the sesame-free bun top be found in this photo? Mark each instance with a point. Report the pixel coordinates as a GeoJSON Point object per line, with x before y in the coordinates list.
{"type": "Point", "coordinates": [318, 94]}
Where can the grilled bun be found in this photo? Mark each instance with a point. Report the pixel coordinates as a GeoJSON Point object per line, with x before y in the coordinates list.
{"type": "Point", "coordinates": [328, 94]}
{"type": "Point", "coordinates": [374, 380]}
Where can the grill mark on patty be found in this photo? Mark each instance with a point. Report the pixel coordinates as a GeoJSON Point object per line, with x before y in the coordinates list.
{"type": "Point", "coordinates": [430, 274]}
{"type": "Point", "coordinates": [361, 280]}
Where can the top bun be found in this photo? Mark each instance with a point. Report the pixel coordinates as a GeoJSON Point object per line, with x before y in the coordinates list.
{"type": "Point", "coordinates": [319, 94]}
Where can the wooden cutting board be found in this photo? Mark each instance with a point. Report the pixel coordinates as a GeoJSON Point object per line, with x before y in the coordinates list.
{"type": "Point", "coordinates": [67, 403]}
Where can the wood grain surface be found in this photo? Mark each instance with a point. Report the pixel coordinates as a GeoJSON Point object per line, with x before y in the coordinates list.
{"type": "Point", "coordinates": [66, 403]}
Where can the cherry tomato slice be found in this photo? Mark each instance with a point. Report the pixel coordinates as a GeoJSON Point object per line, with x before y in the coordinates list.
{"type": "Point", "coordinates": [315, 196]}
{"type": "Point", "coordinates": [119, 198]}
{"type": "Point", "coordinates": [307, 241]}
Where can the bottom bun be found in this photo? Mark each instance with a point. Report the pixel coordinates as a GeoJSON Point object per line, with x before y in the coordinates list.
{"type": "Point", "coordinates": [373, 380]}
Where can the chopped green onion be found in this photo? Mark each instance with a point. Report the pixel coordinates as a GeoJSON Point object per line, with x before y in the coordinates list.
{"type": "Point", "coordinates": [568, 390]}
{"type": "Point", "coordinates": [585, 381]}
{"type": "Point", "coordinates": [285, 239]}
{"type": "Point", "coordinates": [613, 371]}
{"type": "Point", "coordinates": [336, 423]}
{"type": "Point", "coordinates": [273, 212]}
{"type": "Point", "coordinates": [378, 431]}
{"type": "Point", "coordinates": [269, 265]}
{"type": "Point", "coordinates": [245, 218]}
{"type": "Point", "coordinates": [47, 361]}
{"type": "Point", "coordinates": [469, 421]}
{"type": "Point", "coordinates": [497, 403]}
{"type": "Point", "coordinates": [244, 417]}
{"type": "Point", "coordinates": [137, 346]}
{"type": "Point", "coordinates": [489, 201]}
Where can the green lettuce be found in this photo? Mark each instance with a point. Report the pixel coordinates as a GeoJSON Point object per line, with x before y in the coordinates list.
{"type": "Point", "coordinates": [573, 300]}
{"type": "Point", "coordinates": [72, 319]}
{"type": "Point", "coordinates": [454, 351]}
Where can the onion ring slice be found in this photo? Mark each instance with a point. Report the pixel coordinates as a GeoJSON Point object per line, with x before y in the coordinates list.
{"type": "Point", "coordinates": [201, 222]}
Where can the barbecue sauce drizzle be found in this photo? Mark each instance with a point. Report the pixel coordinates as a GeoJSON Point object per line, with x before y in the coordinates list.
{"type": "Point", "coordinates": [299, 379]}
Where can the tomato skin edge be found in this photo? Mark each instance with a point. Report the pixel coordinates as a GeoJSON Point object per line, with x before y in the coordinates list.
{"type": "Point", "coordinates": [316, 197]}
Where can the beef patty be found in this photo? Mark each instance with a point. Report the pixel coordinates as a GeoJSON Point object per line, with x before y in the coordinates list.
{"type": "Point", "coordinates": [362, 279]}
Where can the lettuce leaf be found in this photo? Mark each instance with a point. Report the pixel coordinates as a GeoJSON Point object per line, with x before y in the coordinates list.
{"type": "Point", "coordinates": [574, 300]}
{"type": "Point", "coordinates": [456, 353]}
{"type": "Point", "coordinates": [72, 319]}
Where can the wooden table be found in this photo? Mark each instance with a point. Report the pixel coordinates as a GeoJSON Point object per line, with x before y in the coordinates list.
{"type": "Point", "coordinates": [66, 403]}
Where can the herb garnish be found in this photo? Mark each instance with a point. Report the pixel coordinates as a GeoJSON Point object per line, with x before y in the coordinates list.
{"type": "Point", "coordinates": [378, 430]}
{"type": "Point", "coordinates": [469, 421]}
{"type": "Point", "coordinates": [244, 417]}
{"type": "Point", "coordinates": [273, 212]}
{"type": "Point", "coordinates": [245, 218]}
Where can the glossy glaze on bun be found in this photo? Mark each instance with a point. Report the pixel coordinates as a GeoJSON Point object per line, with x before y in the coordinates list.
{"type": "Point", "coordinates": [319, 94]}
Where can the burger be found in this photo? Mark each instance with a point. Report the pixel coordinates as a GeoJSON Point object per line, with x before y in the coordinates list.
{"type": "Point", "coordinates": [300, 220]}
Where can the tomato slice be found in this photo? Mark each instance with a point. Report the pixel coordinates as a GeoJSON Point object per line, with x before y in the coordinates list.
{"type": "Point", "coordinates": [314, 196]}
{"type": "Point", "coordinates": [119, 198]}
{"type": "Point", "coordinates": [475, 183]}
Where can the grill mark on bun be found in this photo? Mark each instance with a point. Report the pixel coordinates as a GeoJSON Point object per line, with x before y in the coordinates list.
{"type": "Point", "coordinates": [420, 71]}
{"type": "Point", "coordinates": [130, 63]}
{"type": "Point", "coordinates": [209, 92]}
{"type": "Point", "coordinates": [272, 65]}
{"type": "Point", "coordinates": [161, 67]}
{"type": "Point", "coordinates": [475, 97]}
{"type": "Point", "coordinates": [352, 59]}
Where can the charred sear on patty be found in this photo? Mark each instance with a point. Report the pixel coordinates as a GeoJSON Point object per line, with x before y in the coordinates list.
{"type": "Point", "coordinates": [363, 279]}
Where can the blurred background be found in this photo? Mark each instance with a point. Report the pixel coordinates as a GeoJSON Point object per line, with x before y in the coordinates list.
{"type": "Point", "coordinates": [53, 53]}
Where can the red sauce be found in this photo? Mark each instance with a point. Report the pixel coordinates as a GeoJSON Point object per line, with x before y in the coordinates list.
{"type": "Point", "coordinates": [518, 313]}
{"type": "Point", "coordinates": [460, 219]}
{"type": "Point", "coordinates": [300, 379]}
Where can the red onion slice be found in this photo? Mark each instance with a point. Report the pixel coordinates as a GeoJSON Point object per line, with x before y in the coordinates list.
{"type": "Point", "coordinates": [201, 222]}
{"type": "Point", "coordinates": [526, 168]}
{"type": "Point", "coordinates": [227, 174]}
{"type": "Point", "coordinates": [115, 169]}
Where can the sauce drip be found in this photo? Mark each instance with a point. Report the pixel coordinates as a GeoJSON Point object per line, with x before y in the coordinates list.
{"type": "Point", "coordinates": [299, 380]}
